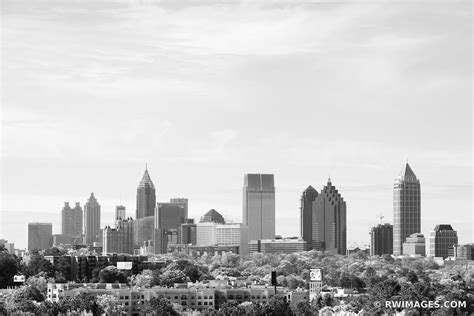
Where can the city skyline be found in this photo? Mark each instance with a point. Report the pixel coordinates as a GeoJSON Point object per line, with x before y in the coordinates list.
{"type": "Point", "coordinates": [206, 93]}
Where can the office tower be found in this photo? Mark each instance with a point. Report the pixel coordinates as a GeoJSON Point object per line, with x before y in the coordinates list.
{"type": "Point", "coordinates": [381, 240]}
{"type": "Point", "coordinates": [182, 201]}
{"type": "Point", "coordinates": [168, 220]}
{"type": "Point", "coordinates": [143, 230]}
{"type": "Point", "coordinates": [77, 221]}
{"type": "Point", "coordinates": [414, 245]}
{"type": "Point", "coordinates": [212, 217]}
{"type": "Point", "coordinates": [406, 208]}
{"type": "Point", "coordinates": [442, 239]}
{"type": "Point", "coordinates": [40, 236]}
{"type": "Point", "coordinates": [233, 235]}
{"type": "Point", "coordinates": [306, 215]}
{"type": "Point", "coordinates": [146, 197]}
{"type": "Point", "coordinates": [66, 220]}
{"type": "Point", "coordinates": [329, 226]}
{"type": "Point", "coordinates": [259, 205]}
{"type": "Point", "coordinates": [92, 220]}
{"type": "Point", "coordinates": [206, 234]}
{"type": "Point", "coordinates": [118, 239]}
{"type": "Point", "coordinates": [120, 212]}
{"type": "Point", "coordinates": [187, 232]}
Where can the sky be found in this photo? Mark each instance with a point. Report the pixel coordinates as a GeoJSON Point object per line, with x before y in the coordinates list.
{"type": "Point", "coordinates": [206, 91]}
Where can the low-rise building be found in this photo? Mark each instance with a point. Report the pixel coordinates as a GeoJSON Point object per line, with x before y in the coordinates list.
{"type": "Point", "coordinates": [287, 245]}
{"type": "Point", "coordinates": [414, 245]}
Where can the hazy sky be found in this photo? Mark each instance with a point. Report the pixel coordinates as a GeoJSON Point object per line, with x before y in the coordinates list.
{"type": "Point", "coordinates": [207, 91]}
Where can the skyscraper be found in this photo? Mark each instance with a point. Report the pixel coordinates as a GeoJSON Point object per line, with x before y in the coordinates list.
{"type": "Point", "coordinates": [442, 239]}
{"type": "Point", "coordinates": [77, 220]}
{"type": "Point", "coordinates": [66, 220]}
{"type": "Point", "coordinates": [329, 229]}
{"type": "Point", "coordinates": [182, 201]}
{"type": "Point", "coordinates": [259, 205]}
{"type": "Point", "coordinates": [92, 220]}
{"type": "Point", "coordinates": [406, 208]}
{"type": "Point", "coordinates": [381, 240]}
{"type": "Point", "coordinates": [306, 214]}
{"type": "Point", "coordinates": [40, 236]}
{"type": "Point", "coordinates": [168, 220]}
{"type": "Point", "coordinates": [71, 223]}
{"type": "Point", "coordinates": [120, 212]}
{"type": "Point", "coordinates": [146, 197]}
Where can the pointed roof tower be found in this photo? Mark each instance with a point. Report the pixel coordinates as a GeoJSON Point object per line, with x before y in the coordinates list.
{"type": "Point", "coordinates": [407, 173]}
{"type": "Point", "coordinates": [146, 180]}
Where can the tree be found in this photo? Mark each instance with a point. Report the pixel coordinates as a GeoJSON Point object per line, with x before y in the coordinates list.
{"type": "Point", "coordinates": [231, 308]}
{"type": "Point", "coordinates": [277, 306]}
{"type": "Point", "coordinates": [111, 274]}
{"type": "Point", "coordinates": [303, 308]}
{"type": "Point", "coordinates": [8, 269]}
{"type": "Point", "coordinates": [85, 302]}
{"type": "Point", "coordinates": [144, 279]}
{"type": "Point", "coordinates": [39, 282]}
{"type": "Point", "coordinates": [110, 304]}
{"type": "Point", "coordinates": [23, 299]}
{"type": "Point", "coordinates": [37, 263]}
{"type": "Point", "coordinates": [158, 306]}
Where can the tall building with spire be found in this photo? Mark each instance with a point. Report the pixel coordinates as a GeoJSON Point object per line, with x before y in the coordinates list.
{"type": "Point", "coordinates": [146, 197]}
{"type": "Point", "coordinates": [406, 208]}
{"type": "Point", "coordinates": [306, 214]}
{"type": "Point", "coordinates": [259, 206]}
{"type": "Point", "coordinates": [92, 220]}
{"type": "Point", "coordinates": [329, 223]}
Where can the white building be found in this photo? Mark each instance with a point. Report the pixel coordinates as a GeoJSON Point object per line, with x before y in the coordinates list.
{"type": "Point", "coordinates": [206, 234]}
{"type": "Point", "coordinates": [233, 235]}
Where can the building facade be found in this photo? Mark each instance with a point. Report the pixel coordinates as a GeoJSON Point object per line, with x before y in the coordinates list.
{"type": "Point", "coordinates": [381, 240]}
{"type": "Point", "coordinates": [406, 208]}
{"type": "Point", "coordinates": [40, 236]}
{"type": "Point", "coordinates": [206, 234]}
{"type": "Point", "coordinates": [118, 239]}
{"type": "Point", "coordinates": [306, 214]}
{"type": "Point", "coordinates": [71, 221]}
{"type": "Point", "coordinates": [182, 201]}
{"type": "Point", "coordinates": [120, 212]}
{"type": "Point", "coordinates": [233, 235]}
{"type": "Point", "coordinates": [464, 252]}
{"type": "Point", "coordinates": [277, 245]}
{"type": "Point", "coordinates": [415, 245]}
{"type": "Point", "coordinates": [188, 233]}
{"type": "Point", "coordinates": [329, 224]}
{"type": "Point", "coordinates": [146, 197]}
{"type": "Point", "coordinates": [259, 205]}
{"type": "Point", "coordinates": [442, 240]}
{"type": "Point", "coordinates": [92, 220]}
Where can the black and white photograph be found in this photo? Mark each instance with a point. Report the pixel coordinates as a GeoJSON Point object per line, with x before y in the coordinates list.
{"type": "Point", "coordinates": [236, 157]}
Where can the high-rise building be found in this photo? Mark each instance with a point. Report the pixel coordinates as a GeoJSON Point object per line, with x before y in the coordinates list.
{"type": "Point", "coordinates": [40, 236]}
{"type": "Point", "coordinates": [414, 245]}
{"type": "Point", "coordinates": [235, 234]}
{"type": "Point", "coordinates": [66, 220]}
{"type": "Point", "coordinates": [92, 220]}
{"type": "Point", "coordinates": [329, 224]}
{"type": "Point", "coordinates": [381, 240]}
{"type": "Point", "coordinates": [71, 224]}
{"type": "Point", "coordinates": [259, 205]}
{"type": "Point", "coordinates": [118, 239]}
{"type": "Point", "coordinates": [146, 197]}
{"type": "Point", "coordinates": [182, 201]}
{"type": "Point", "coordinates": [77, 220]}
{"type": "Point", "coordinates": [442, 239]}
{"type": "Point", "coordinates": [187, 232]}
{"type": "Point", "coordinates": [306, 215]}
{"type": "Point", "coordinates": [406, 208]}
{"type": "Point", "coordinates": [168, 220]}
{"type": "Point", "coordinates": [120, 212]}
{"type": "Point", "coordinates": [143, 230]}
{"type": "Point", "coordinates": [212, 217]}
